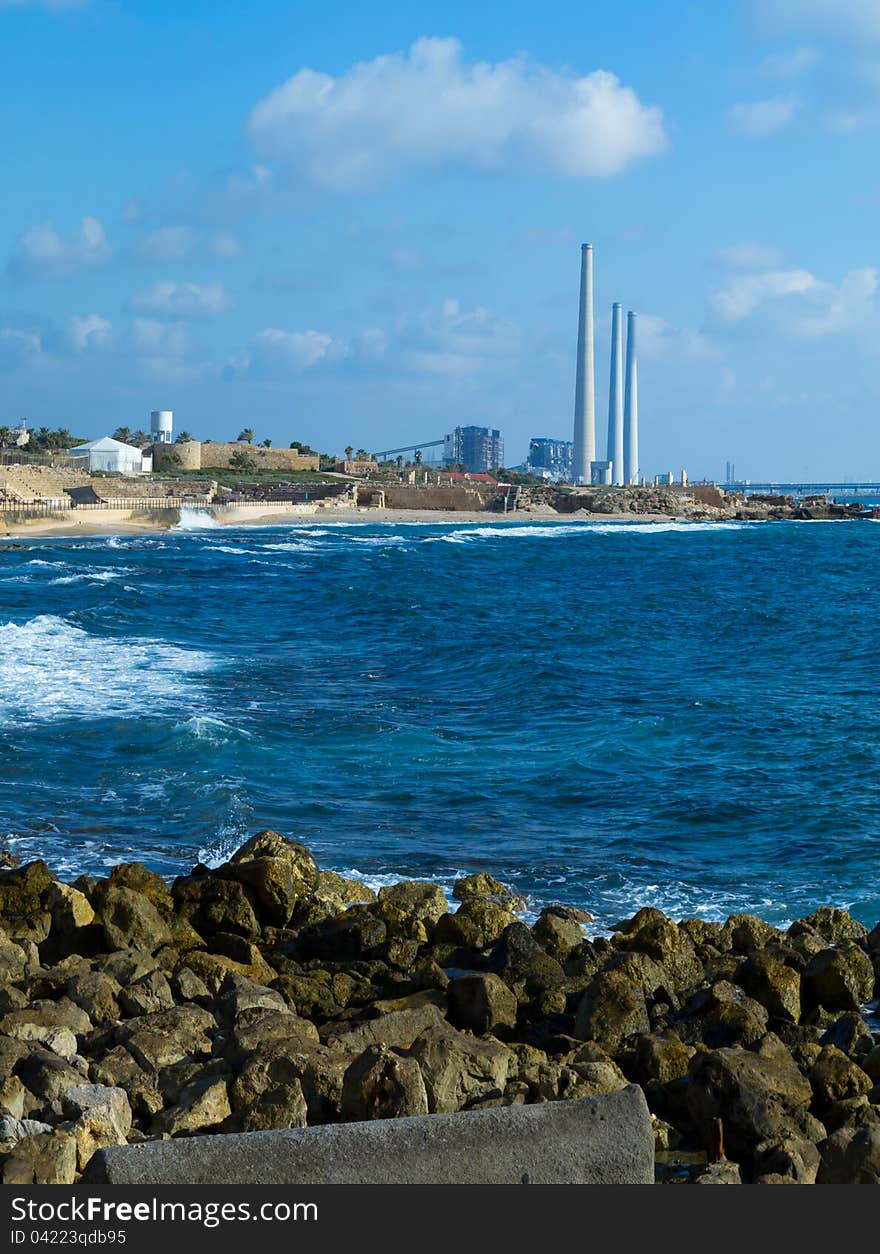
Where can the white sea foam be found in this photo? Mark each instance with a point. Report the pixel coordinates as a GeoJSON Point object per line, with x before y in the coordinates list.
{"type": "Point", "coordinates": [195, 520]}
{"type": "Point", "coordinates": [556, 531]}
{"type": "Point", "coordinates": [214, 730]}
{"type": "Point", "coordinates": [51, 669]}
{"type": "Point", "coordinates": [92, 576]}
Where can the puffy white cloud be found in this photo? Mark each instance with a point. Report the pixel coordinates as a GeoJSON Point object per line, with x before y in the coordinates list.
{"type": "Point", "coordinates": [294, 350]}
{"type": "Point", "coordinates": [757, 118]}
{"type": "Point", "coordinates": [744, 293]}
{"type": "Point", "coordinates": [170, 299]}
{"type": "Point", "coordinates": [152, 338]}
{"type": "Point", "coordinates": [800, 305]}
{"type": "Point", "coordinates": [43, 253]}
{"type": "Point", "coordinates": [429, 108]}
{"type": "Point", "coordinates": [449, 340]}
{"type": "Point", "coordinates": [657, 338]}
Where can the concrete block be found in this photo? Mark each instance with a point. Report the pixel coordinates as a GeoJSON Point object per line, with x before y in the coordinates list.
{"type": "Point", "coordinates": [597, 1140]}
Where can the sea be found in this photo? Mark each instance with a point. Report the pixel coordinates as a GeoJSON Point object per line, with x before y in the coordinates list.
{"type": "Point", "coordinates": [608, 715]}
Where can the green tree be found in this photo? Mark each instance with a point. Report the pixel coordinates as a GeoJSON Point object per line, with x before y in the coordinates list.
{"type": "Point", "coordinates": [418, 456]}
{"type": "Point", "coordinates": [267, 444]}
{"type": "Point", "coordinates": [140, 438]}
{"type": "Point", "coordinates": [183, 438]}
{"type": "Point", "coordinates": [348, 452]}
{"type": "Point", "coordinates": [247, 435]}
{"type": "Point", "coordinates": [123, 434]}
{"type": "Point", "coordinates": [5, 436]}
{"type": "Point", "coordinates": [242, 461]}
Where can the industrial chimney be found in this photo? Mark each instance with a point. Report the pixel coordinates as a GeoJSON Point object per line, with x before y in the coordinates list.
{"type": "Point", "coordinates": [631, 405]}
{"type": "Point", "coordinates": [584, 451]}
{"type": "Point", "coordinates": [615, 397]}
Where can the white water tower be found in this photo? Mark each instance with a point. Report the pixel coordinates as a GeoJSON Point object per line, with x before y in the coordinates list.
{"type": "Point", "coordinates": [161, 422]}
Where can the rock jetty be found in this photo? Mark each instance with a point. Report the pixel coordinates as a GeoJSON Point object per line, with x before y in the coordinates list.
{"type": "Point", "coordinates": [266, 993]}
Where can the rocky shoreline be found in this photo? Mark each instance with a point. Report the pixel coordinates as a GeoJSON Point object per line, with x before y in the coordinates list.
{"type": "Point", "coordinates": [266, 993]}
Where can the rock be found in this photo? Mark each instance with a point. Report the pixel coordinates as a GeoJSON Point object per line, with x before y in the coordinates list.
{"type": "Point", "coordinates": [60, 1041]}
{"type": "Point", "coordinates": [14, 1130]}
{"type": "Point", "coordinates": [23, 890]}
{"type": "Point", "coordinates": [159, 1040]}
{"type": "Point", "coordinates": [279, 871]}
{"type": "Point", "coordinates": [482, 884]}
{"type": "Point", "coordinates": [126, 965]}
{"type": "Point", "coordinates": [130, 920]}
{"type": "Point", "coordinates": [659, 1056]}
{"type": "Point", "coordinates": [557, 934]}
{"type": "Point", "coordinates": [44, 1158]}
{"type": "Point", "coordinates": [726, 1016]}
{"type": "Point", "coordinates": [481, 1003]}
{"type": "Point", "coordinates": [97, 994]}
{"type": "Point", "coordinates": [47, 1075]}
{"type": "Point", "coordinates": [476, 924]}
{"type": "Point", "coordinates": [238, 994]}
{"type": "Point", "coordinates": [398, 1029]}
{"type": "Point", "coordinates": [831, 924]}
{"type": "Point", "coordinates": [278, 1076]}
{"type": "Point", "coordinates": [354, 935]}
{"type": "Point", "coordinates": [851, 1156]}
{"type": "Point", "coordinates": [793, 1157]}
{"type": "Point", "coordinates": [414, 900]}
{"type": "Point", "coordinates": [147, 995]}
{"type": "Point", "coordinates": [838, 979]}
{"type": "Point", "coordinates": [348, 892]}
{"type": "Point", "coordinates": [758, 1097]}
{"type": "Point", "coordinates": [746, 933]}
{"type": "Point", "coordinates": [850, 1034]}
{"type": "Point", "coordinates": [458, 1069]}
{"type": "Point", "coordinates": [258, 1027]}
{"type": "Point", "coordinates": [69, 908]}
{"type": "Point", "coordinates": [532, 975]}
{"type": "Point", "coordinates": [670, 948]}
{"type": "Point", "coordinates": [722, 1172]}
{"type": "Point", "coordinates": [201, 1105]}
{"type": "Point", "coordinates": [381, 1084]}
{"type": "Point", "coordinates": [139, 879]}
{"type": "Point", "coordinates": [213, 969]}
{"type": "Point", "coordinates": [187, 986]}
{"type": "Point", "coordinates": [835, 1078]}
{"type": "Point", "coordinates": [13, 1095]}
{"type": "Point", "coordinates": [612, 1009]}
{"type": "Point", "coordinates": [775, 986]}
{"type": "Point", "coordinates": [214, 904]}
{"type": "Point", "coordinates": [101, 1117]}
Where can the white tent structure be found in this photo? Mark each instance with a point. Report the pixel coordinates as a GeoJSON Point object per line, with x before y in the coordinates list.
{"type": "Point", "coordinates": [112, 455]}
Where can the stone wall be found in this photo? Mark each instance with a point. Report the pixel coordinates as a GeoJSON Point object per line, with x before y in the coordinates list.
{"type": "Point", "coordinates": [195, 455]}
{"type": "Point", "coordinates": [404, 496]}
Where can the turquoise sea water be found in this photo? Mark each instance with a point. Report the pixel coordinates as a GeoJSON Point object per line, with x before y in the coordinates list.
{"type": "Point", "coordinates": [609, 715]}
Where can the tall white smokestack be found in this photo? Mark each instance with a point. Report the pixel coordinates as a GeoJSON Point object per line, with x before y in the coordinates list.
{"type": "Point", "coordinates": [584, 451]}
{"type": "Point", "coordinates": [631, 405]}
{"type": "Point", "coordinates": [615, 397]}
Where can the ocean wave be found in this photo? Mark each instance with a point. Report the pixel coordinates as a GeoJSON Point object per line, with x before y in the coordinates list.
{"type": "Point", "coordinates": [51, 669]}
{"type": "Point", "coordinates": [556, 531]}
{"type": "Point", "coordinates": [208, 727]}
{"type": "Point", "coordinates": [92, 576]}
{"type": "Point", "coordinates": [195, 520]}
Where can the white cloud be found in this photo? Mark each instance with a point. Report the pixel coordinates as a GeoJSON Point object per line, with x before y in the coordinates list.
{"type": "Point", "coordinates": [791, 64]}
{"type": "Point", "coordinates": [295, 350]}
{"type": "Point", "coordinates": [90, 331]}
{"type": "Point", "coordinates": [160, 339]}
{"type": "Point", "coordinates": [170, 299]}
{"type": "Point", "coordinates": [429, 108]}
{"type": "Point", "coordinates": [800, 305]}
{"type": "Point", "coordinates": [758, 118]}
{"type": "Point", "coordinates": [17, 344]}
{"type": "Point", "coordinates": [748, 256]}
{"type": "Point", "coordinates": [856, 20]}
{"type": "Point", "coordinates": [449, 340]}
{"type": "Point", "coordinates": [43, 253]}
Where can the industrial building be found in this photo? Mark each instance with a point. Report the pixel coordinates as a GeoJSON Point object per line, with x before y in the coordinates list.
{"type": "Point", "coordinates": [478, 449]}
{"type": "Point", "coordinates": [551, 459]}
{"type": "Point", "coordinates": [621, 464]}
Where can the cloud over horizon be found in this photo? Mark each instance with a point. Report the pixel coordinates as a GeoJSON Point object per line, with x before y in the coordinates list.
{"type": "Point", "coordinates": [44, 254]}
{"type": "Point", "coordinates": [430, 108]}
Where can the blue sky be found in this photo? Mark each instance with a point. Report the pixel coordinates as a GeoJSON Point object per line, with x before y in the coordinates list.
{"type": "Point", "coordinates": [361, 224]}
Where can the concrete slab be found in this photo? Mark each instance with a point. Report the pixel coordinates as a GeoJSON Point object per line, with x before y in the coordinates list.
{"type": "Point", "coordinates": [597, 1140]}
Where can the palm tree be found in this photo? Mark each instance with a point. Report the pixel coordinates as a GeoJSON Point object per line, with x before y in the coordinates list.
{"type": "Point", "coordinates": [5, 436]}
{"type": "Point", "coordinates": [247, 435]}
{"type": "Point", "coordinates": [348, 452]}
{"type": "Point", "coordinates": [267, 444]}
{"type": "Point", "coordinates": [183, 438]}
{"type": "Point", "coordinates": [123, 435]}
{"type": "Point", "coordinates": [140, 438]}
{"type": "Point", "coordinates": [418, 457]}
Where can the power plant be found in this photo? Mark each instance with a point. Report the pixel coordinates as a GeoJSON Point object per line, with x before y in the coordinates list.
{"type": "Point", "coordinates": [621, 465]}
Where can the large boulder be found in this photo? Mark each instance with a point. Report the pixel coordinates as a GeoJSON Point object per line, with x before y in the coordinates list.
{"type": "Point", "coordinates": [383, 1084]}
{"type": "Point", "coordinates": [851, 1156]}
{"type": "Point", "coordinates": [839, 978]}
{"type": "Point", "coordinates": [722, 1015]}
{"type": "Point", "coordinates": [200, 1106]}
{"type": "Point", "coordinates": [670, 948]}
{"type": "Point", "coordinates": [836, 1078]}
{"type": "Point", "coordinates": [412, 899]}
{"type": "Point", "coordinates": [289, 1079]}
{"type": "Point", "coordinates": [831, 924]}
{"type": "Point", "coordinates": [793, 1158]}
{"type": "Point", "coordinates": [131, 921]}
{"type": "Point", "coordinates": [759, 1096]}
{"type": "Point", "coordinates": [44, 1158]}
{"type": "Point", "coordinates": [101, 1117]}
{"type": "Point", "coordinates": [613, 1007]}
{"type": "Point", "coordinates": [776, 986]}
{"type": "Point", "coordinates": [23, 890]}
{"type": "Point", "coordinates": [535, 977]}
{"type": "Point", "coordinates": [397, 1028]}
{"type": "Point", "coordinates": [279, 871]}
{"type": "Point", "coordinates": [159, 1040]}
{"type": "Point", "coordinates": [213, 904]}
{"type": "Point", "coordinates": [481, 1003]}
{"type": "Point", "coordinates": [140, 879]}
{"type": "Point", "coordinates": [458, 1069]}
